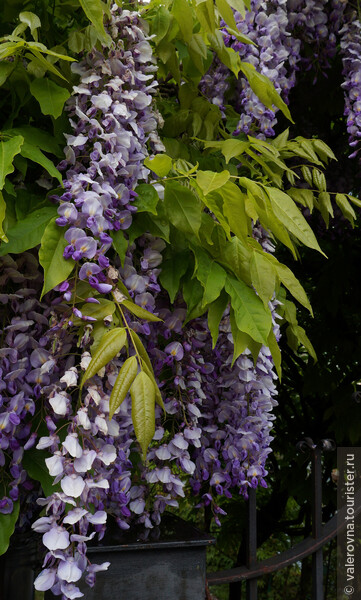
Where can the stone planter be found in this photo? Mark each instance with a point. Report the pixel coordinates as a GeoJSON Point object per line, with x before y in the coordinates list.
{"type": "Point", "coordinates": [18, 566]}
{"type": "Point", "coordinates": [170, 564]}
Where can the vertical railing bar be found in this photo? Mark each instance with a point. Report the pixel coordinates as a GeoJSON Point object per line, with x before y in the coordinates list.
{"type": "Point", "coordinates": [317, 557]}
{"type": "Point", "coordinates": [251, 559]}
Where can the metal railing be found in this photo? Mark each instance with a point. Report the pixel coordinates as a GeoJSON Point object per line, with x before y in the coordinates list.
{"type": "Point", "coordinates": [311, 546]}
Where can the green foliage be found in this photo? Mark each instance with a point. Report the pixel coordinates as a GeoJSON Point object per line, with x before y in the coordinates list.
{"type": "Point", "coordinates": [264, 89]}
{"type": "Point", "coordinates": [27, 233]}
{"type": "Point", "coordinates": [110, 344]}
{"type": "Point", "coordinates": [7, 526]}
{"type": "Point", "coordinates": [94, 11]}
{"type": "Point", "coordinates": [161, 164]}
{"type": "Point", "coordinates": [182, 208]}
{"type": "Point", "coordinates": [250, 314]}
{"type": "Point", "coordinates": [50, 96]}
{"type": "Point", "coordinates": [140, 312]}
{"type": "Point", "coordinates": [34, 463]}
{"type": "Point", "coordinates": [56, 267]}
{"type": "Point", "coordinates": [120, 244]}
{"type": "Point", "coordinates": [142, 393]}
{"type": "Point", "coordinates": [8, 151]}
{"type": "Point", "coordinates": [122, 384]}
{"type": "Point", "coordinates": [147, 198]}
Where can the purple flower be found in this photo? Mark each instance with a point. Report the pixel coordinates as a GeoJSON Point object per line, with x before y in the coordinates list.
{"type": "Point", "coordinates": [57, 538]}
{"type": "Point", "coordinates": [175, 349]}
{"type": "Point", "coordinates": [88, 270]}
{"type": "Point", "coordinates": [6, 506]}
{"type": "Point", "coordinates": [45, 580]}
{"type": "Point", "coordinates": [85, 247]}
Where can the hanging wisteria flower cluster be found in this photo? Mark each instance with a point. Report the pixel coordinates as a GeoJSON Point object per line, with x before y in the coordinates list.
{"type": "Point", "coordinates": [351, 47]}
{"type": "Point", "coordinates": [272, 51]}
{"type": "Point", "coordinates": [112, 118]}
{"type": "Point", "coordinates": [287, 36]}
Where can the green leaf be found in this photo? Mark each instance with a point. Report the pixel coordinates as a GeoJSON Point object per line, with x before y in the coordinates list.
{"type": "Point", "coordinates": [27, 233]}
{"type": "Point", "coordinates": [182, 12]}
{"type": "Point", "coordinates": [264, 89]}
{"type": "Point", "coordinates": [50, 96]}
{"type": "Point", "coordinates": [263, 275]}
{"type": "Point", "coordinates": [44, 64]}
{"type": "Point", "coordinates": [354, 200]}
{"type": "Point", "coordinates": [323, 150]}
{"type": "Point", "coordinates": [241, 340]}
{"type": "Point", "coordinates": [10, 48]}
{"type": "Point", "coordinates": [120, 244]}
{"type": "Point", "coordinates": [235, 256]}
{"type": "Point", "coordinates": [172, 272]}
{"type": "Point", "coordinates": [35, 154]}
{"type": "Point", "coordinates": [160, 24]}
{"type": "Point", "coordinates": [229, 148]}
{"type": "Point", "coordinates": [291, 217]}
{"type": "Point", "coordinates": [215, 313]}
{"type": "Point", "coordinates": [76, 41]}
{"type": "Point", "coordinates": [157, 226]}
{"type": "Point", "coordinates": [198, 53]}
{"type": "Point", "coordinates": [161, 164]}
{"type": "Point", "coordinates": [5, 69]}
{"type": "Point", "coordinates": [319, 180]}
{"type": "Point", "coordinates": [291, 283]}
{"type": "Point", "coordinates": [8, 151]}
{"type": "Point", "coordinates": [228, 56]}
{"type": "Point", "coordinates": [32, 21]}
{"type": "Point", "coordinates": [193, 294]}
{"type": "Point", "coordinates": [250, 314]}
{"type": "Point", "coordinates": [56, 267]}
{"type": "Point", "coordinates": [158, 395]}
{"type": "Point", "coordinates": [46, 50]}
{"type": "Point", "coordinates": [122, 384]}
{"type": "Point", "coordinates": [109, 346]}
{"type": "Point", "coordinates": [7, 527]}
{"type": "Point", "coordinates": [302, 337]}
{"type": "Point", "coordinates": [94, 11]}
{"type": "Point", "coordinates": [302, 196]}
{"type": "Point", "coordinates": [241, 37]}
{"type": "Point", "coordinates": [141, 350]}
{"type": "Point", "coordinates": [142, 392]}
{"type": "Point", "coordinates": [211, 275]}
{"type": "Point", "coordinates": [276, 353]}
{"type": "Point", "coordinates": [346, 208]}
{"type": "Point", "coordinates": [35, 465]}
{"type": "Point", "coordinates": [325, 206]}
{"type": "Point", "coordinates": [182, 207]}
{"type": "Point", "coordinates": [226, 13]}
{"type": "Point", "coordinates": [105, 308]}
{"type": "Point", "coordinates": [206, 15]}
{"type": "Point", "coordinates": [139, 312]}
{"type": "Point", "coordinates": [37, 137]}
{"type": "Point", "coordinates": [147, 198]}
{"type": "Point", "coordinates": [234, 209]}
{"type": "Point", "coordinates": [290, 311]}
{"type": "Point", "coordinates": [238, 5]}
{"type": "Point", "coordinates": [214, 202]}
{"type": "Point", "coordinates": [2, 217]}
{"type": "Point", "coordinates": [209, 181]}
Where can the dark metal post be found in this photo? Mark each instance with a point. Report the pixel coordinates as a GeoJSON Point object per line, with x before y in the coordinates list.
{"type": "Point", "coordinates": [317, 557]}
{"type": "Point", "coordinates": [251, 584]}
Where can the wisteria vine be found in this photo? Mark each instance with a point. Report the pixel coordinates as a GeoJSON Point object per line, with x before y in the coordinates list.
{"type": "Point", "coordinates": [214, 432]}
